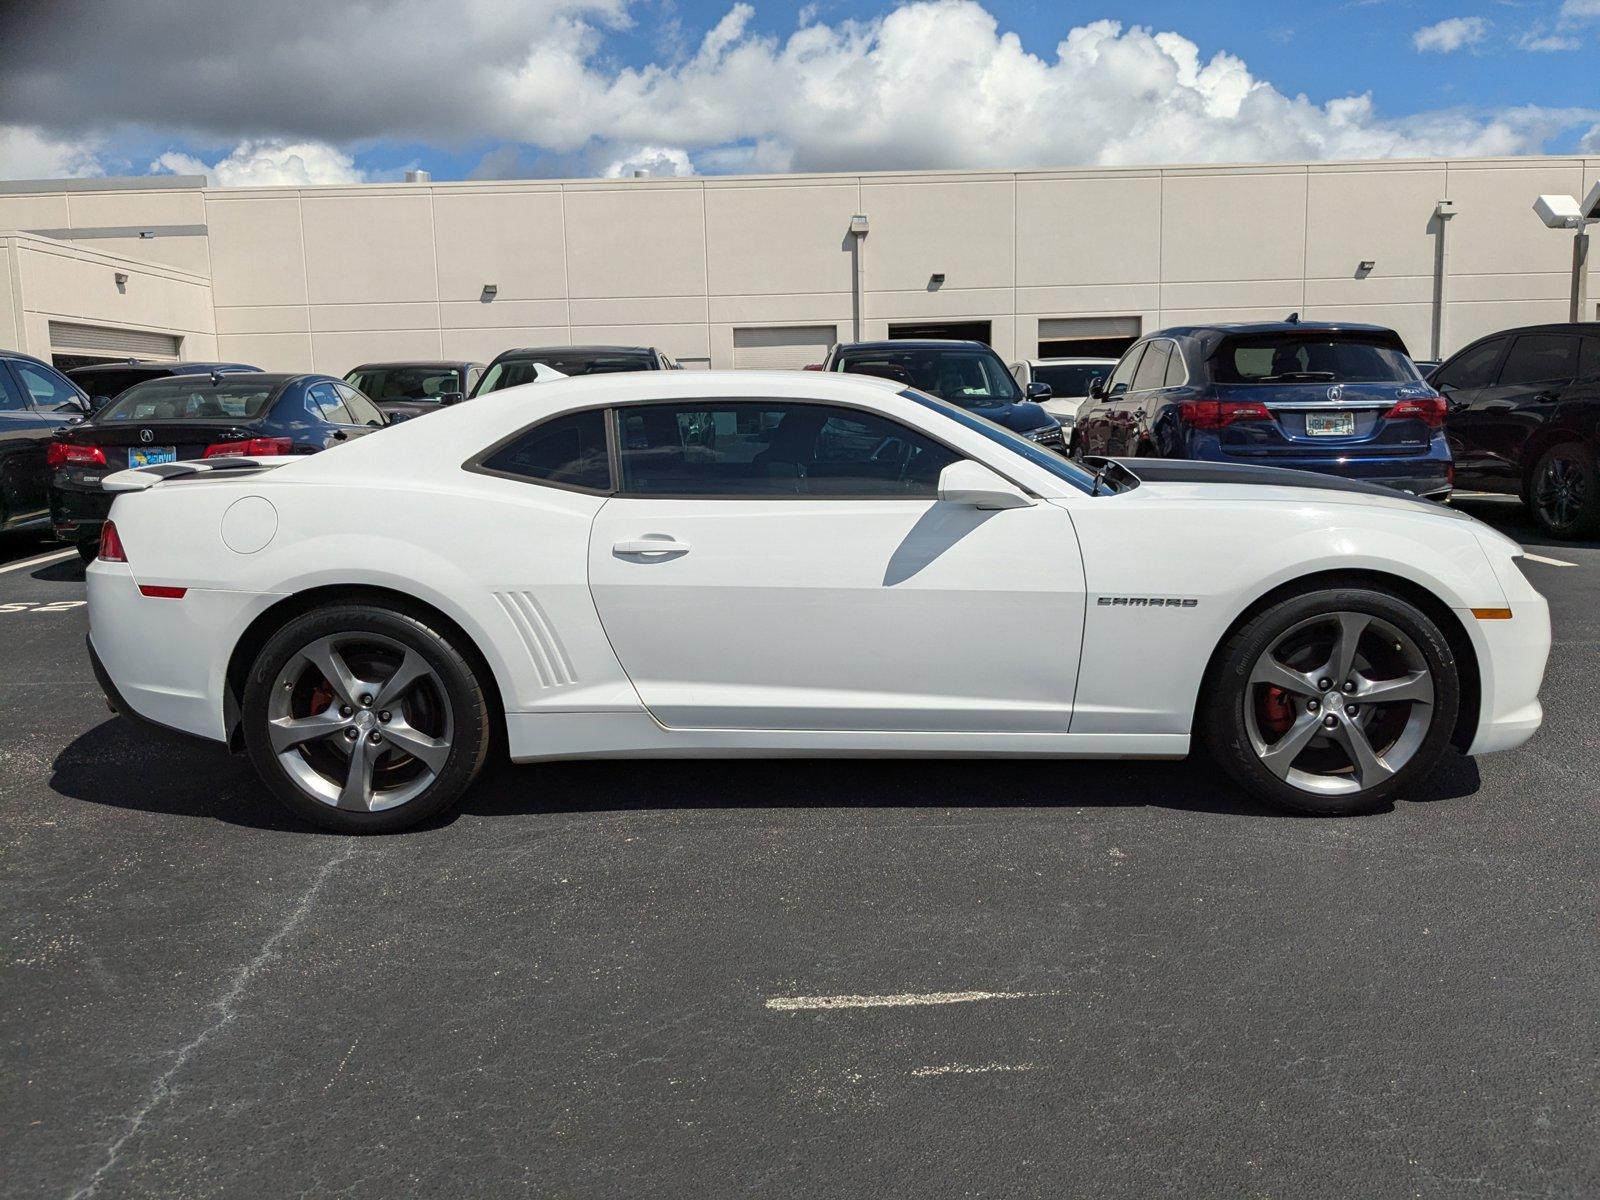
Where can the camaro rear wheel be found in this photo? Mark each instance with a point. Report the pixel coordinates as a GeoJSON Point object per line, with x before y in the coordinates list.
{"type": "Point", "coordinates": [364, 720]}
{"type": "Point", "coordinates": [1332, 701]}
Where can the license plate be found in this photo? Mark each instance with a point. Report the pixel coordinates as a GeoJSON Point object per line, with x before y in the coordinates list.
{"type": "Point", "coordinates": [146, 456]}
{"type": "Point", "coordinates": [1338, 424]}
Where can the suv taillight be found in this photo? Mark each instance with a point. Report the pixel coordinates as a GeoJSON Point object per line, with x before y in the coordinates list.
{"type": "Point", "coordinates": [65, 454]}
{"type": "Point", "coordinates": [1218, 414]}
{"type": "Point", "coordinates": [1429, 410]}
{"type": "Point", "coordinates": [264, 447]}
{"type": "Point", "coordinates": [111, 544]}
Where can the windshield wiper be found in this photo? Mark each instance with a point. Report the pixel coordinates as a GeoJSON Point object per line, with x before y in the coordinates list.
{"type": "Point", "coordinates": [1297, 377]}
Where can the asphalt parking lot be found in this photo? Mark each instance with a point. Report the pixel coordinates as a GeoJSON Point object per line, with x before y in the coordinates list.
{"type": "Point", "coordinates": [625, 978]}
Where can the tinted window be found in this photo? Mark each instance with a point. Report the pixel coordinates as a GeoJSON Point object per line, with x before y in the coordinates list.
{"type": "Point", "coordinates": [569, 451]}
{"type": "Point", "coordinates": [1070, 381]}
{"type": "Point", "coordinates": [1152, 367]}
{"type": "Point", "coordinates": [1310, 358]}
{"type": "Point", "coordinates": [512, 372]}
{"type": "Point", "coordinates": [48, 388]}
{"type": "Point", "coordinates": [765, 448]}
{"type": "Point", "coordinates": [1062, 468]}
{"type": "Point", "coordinates": [323, 401]}
{"type": "Point", "coordinates": [406, 383]}
{"type": "Point", "coordinates": [973, 377]}
{"type": "Point", "coordinates": [1177, 373]}
{"type": "Point", "coordinates": [364, 411]}
{"type": "Point", "coordinates": [1123, 375]}
{"type": "Point", "coordinates": [1541, 358]}
{"type": "Point", "coordinates": [11, 397]}
{"type": "Point", "coordinates": [1473, 369]}
{"type": "Point", "coordinates": [1589, 364]}
{"type": "Point", "coordinates": [187, 398]}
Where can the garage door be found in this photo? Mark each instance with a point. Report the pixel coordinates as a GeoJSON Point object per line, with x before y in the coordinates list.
{"type": "Point", "coordinates": [782, 347]}
{"type": "Point", "coordinates": [1069, 337]}
{"type": "Point", "coordinates": [70, 338]}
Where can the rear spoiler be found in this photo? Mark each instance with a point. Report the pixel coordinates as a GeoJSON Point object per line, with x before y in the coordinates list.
{"type": "Point", "coordinates": [136, 479]}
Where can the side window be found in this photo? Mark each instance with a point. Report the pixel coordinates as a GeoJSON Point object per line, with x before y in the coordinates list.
{"type": "Point", "coordinates": [358, 406]}
{"type": "Point", "coordinates": [1152, 367]}
{"type": "Point", "coordinates": [774, 449]}
{"type": "Point", "coordinates": [49, 389]}
{"type": "Point", "coordinates": [1177, 373]}
{"type": "Point", "coordinates": [327, 404]}
{"type": "Point", "coordinates": [11, 397]}
{"type": "Point", "coordinates": [1589, 365]}
{"type": "Point", "coordinates": [1541, 358]}
{"type": "Point", "coordinates": [1123, 375]}
{"type": "Point", "coordinates": [473, 375]}
{"type": "Point", "coordinates": [568, 451]}
{"type": "Point", "coordinates": [1473, 369]}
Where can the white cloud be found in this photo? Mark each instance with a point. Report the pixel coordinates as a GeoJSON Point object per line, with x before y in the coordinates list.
{"type": "Point", "coordinates": [655, 160]}
{"type": "Point", "coordinates": [1450, 35]}
{"type": "Point", "coordinates": [1580, 10]}
{"type": "Point", "coordinates": [31, 154]}
{"type": "Point", "coordinates": [1590, 142]}
{"type": "Point", "coordinates": [1539, 41]}
{"type": "Point", "coordinates": [267, 162]}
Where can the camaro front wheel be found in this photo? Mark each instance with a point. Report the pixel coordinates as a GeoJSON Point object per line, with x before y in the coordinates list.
{"type": "Point", "coordinates": [364, 720]}
{"type": "Point", "coordinates": [1332, 701]}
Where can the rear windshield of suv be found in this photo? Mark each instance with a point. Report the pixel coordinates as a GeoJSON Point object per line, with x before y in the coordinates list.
{"type": "Point", "coordinates": [187, 398]}
{"type": "Point", "coordinates": [514, 371]}
{"type": "Point", "coordinates": [969, 377]}
{"type": "Point", "coordinates": [1310, 358]}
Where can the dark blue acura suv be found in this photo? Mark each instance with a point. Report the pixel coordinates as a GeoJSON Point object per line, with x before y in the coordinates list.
{"type": "Point", "coordinates": [1342, 399]}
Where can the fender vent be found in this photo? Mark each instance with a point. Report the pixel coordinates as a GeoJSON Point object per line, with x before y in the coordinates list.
{"type": "Point", "coordinates": [548, 655]}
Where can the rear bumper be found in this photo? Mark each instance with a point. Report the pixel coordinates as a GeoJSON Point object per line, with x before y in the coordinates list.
{"type": "Point", "coordinates": [1422, 475]}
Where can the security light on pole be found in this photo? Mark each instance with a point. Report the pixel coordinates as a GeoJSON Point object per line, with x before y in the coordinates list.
{"type": "Point", "coordinates": [1563, 212]}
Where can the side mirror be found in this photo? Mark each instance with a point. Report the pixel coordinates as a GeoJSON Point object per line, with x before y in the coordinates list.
{"type": "Point", "coordinates": [451, 397]}
{"type": "Point", "coordinates": [396, 418]}
{"type": "Point", "coordinates": [1039, 391]}
{"type": "Point", "coordinates": [972, 483]}
{"type": "Point", "coordinates": [1097, 388]}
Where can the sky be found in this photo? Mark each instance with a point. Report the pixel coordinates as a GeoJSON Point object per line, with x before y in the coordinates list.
{"type": "Point", "coordinates": [253, 92]}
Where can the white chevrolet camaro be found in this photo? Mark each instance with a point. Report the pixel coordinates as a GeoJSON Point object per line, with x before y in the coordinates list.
{"type": "Point", "coordinates": [795, 564]}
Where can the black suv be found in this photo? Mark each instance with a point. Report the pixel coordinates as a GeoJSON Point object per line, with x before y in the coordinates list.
{"type": "Point", "coordinates": [36, 400]}
{"type": "Point", "coordinates": [1523, 417]}
{"type": "Point", "coordinates": [970, 374]}
{"type": "Point", "coordinates": [514, 367]}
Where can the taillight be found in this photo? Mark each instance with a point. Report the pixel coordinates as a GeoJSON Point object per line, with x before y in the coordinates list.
{"type": "Point", "coordinates": [111, 544]}
{"type": "Point", "coordinates": [812, 367]}
{"type": "Point", "coordinates": [1218, 414]}
{"type": "Point", "coordinates": [263, 447]}
{"type": "Point", "coordinates": [66, 454]}
{"type": "Point", "coordinates": [1429, 410]}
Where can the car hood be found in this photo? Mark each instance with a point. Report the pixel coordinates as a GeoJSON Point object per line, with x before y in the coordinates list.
{"type": "Point", "coordinates": [1175, 471]}
{"type": "Point", "coordinates": [1021, 417]}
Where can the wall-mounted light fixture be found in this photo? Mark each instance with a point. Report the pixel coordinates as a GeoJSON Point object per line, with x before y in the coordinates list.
{"type": "Point", "coordinates": [1565, 212]}
{"type": "Point", "coordinates": [1366, 265]}
{"type": "Point", "coordinates": [122, 280]}
{"type": "Point", "coordinates": [490, 291]}
{"type": "Point", "coordinates": [935, 281]}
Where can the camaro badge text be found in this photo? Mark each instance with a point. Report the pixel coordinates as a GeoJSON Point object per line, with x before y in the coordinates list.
{"type": "Point", "coordinates": [1144, 602]}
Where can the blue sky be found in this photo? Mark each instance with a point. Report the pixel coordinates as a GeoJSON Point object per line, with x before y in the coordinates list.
{"type": "Point", "coordinates": [575, 87]}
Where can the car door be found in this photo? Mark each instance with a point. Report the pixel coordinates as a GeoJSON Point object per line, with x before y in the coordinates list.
{"type": "Point", "coordinates": [365, 416]}
{"type": "Point", "coordinates": [1504, 416]}
{"type": "Point", "coordinates": [1460, 381]}
{"type": "Point", "coordinates": [1133, 409]}
{"type": "Point", "coordinates": [43, 400]}
{"type": "Point", "coordinates": [335, 424]}
{"type": "Point", "coordinates": [1095, 426]}
{"type": "Point", "coordinates": [797, 572]}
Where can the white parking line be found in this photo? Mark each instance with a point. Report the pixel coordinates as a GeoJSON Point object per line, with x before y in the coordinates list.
{"type": "Point", "coordinates": [803, 1003]}
{"type": "Point", "coordinates": [38, 561]}
{"type": "Point", "coordinates": [965, 1069]}
{"type": "Point", "coordinates": [1549, 562]}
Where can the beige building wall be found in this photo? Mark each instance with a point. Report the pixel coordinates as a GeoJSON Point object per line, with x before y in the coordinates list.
{"type": "Point", "coordinates": [322, 278]}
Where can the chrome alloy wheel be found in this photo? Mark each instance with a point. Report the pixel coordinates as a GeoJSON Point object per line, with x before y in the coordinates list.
{"type": "Point", "coordinates": [360, 721]}
{"type": "Point", "coordinates": [1339, 703]}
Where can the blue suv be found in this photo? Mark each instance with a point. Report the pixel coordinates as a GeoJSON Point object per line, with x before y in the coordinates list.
{"type": "Point", "coordinates": [1342, 399]}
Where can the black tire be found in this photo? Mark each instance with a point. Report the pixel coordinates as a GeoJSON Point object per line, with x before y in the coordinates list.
{"type": "Point", "coordinates": [1224, 726]}
{"type": "Point", "coordinates": [88, 551]}
{"type": "Point", "coordinates": [454, 688]}
{"type": "Point", "coordinates": [1563, 492]}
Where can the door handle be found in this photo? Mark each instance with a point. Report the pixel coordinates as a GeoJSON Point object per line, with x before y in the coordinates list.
{"type": "Point", "coordinates": [650, 545]}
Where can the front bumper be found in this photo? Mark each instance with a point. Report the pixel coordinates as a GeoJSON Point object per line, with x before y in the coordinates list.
{"type": "Point", "coordinates": [1511, 661]}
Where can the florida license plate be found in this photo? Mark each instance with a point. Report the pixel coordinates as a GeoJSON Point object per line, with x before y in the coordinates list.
{"type": "Point", "coordinates": [146, 456]}
{"type": "Point", "coordinates": [1337, 424]}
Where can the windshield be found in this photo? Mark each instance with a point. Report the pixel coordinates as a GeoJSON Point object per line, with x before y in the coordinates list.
{"type": "Point", "coordinates": [968, 376]}
{"type": "Point", "coordinates": [1311, 358]}
{"type": "Point", "coordinates": [511, 372]}
{"type": "Point", "coordinates": [1063, 468]}
{"type": "Point", "coordinates": [1072, 379]}
{"type": "Point", "coordinates": [188, 398]}
{"type": "Point", "coordinates": [405, 383]}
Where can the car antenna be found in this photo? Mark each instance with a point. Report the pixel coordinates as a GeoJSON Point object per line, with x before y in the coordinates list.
{"type": "Point", "coordinates": [1294, 318]}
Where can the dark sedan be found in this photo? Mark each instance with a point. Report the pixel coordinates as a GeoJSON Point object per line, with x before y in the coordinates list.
{"type": "Point", "coordinates": [195, 416]}
{"type": "Point", "coordinates": [1523, 417]}
{"type": "Point", "coordinates": [970, 374]}
{"type": "Point", "coordinates": [413, 388]}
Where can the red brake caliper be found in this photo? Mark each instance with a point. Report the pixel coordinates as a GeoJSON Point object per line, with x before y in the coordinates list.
{"type": "Point", "coordinates": [1277, 710]}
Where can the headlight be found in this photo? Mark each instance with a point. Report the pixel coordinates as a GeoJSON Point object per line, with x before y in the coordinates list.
{"type": "Point", "coordinates": [1048, 435]}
